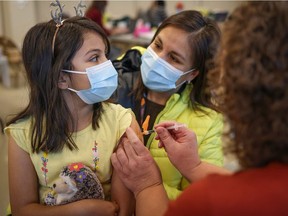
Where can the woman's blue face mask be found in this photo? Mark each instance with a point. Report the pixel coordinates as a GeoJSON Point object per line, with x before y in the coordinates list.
{"type": "Point", "coordinates": [157, 74]}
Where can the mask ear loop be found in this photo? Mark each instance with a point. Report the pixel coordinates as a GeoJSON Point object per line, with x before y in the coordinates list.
{"type": "Point", "coordinates": [185, 80]}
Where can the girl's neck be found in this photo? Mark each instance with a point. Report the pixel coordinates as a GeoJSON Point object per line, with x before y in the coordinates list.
{"type": "Point", "coordinates": [158, 97]}
{"type": "Point", "coordinates": [81, 112]}
{"type": "Point", "coordinates": [82, 116]}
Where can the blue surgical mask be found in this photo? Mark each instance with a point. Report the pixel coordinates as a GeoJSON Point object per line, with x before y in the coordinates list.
{"type": "Point", "coordinates": [103, 79]}
{"type": "Point", "coordinates": [157, 74]}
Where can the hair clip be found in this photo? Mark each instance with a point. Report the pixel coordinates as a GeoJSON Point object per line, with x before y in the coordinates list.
{"type": "Point", "coordinates": [58, 13]}
{"type": "Point", "coordinates": [57, 17]}
{"type": "Point", "coordinates": [78, 9]}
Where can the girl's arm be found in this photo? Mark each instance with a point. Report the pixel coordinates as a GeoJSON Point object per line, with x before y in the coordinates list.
{"type": "Point", "coordinates": [23, 191]}
{"type": "Point", "coordinates": [120, 194]}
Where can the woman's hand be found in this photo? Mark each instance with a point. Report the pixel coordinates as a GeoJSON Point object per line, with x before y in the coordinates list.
{"type": "Point", "coordinates": [181, 146]}
{"type": "Point", "coordinates": [135, 165]}
{"type": "Point", "coordinates": [182, 149]}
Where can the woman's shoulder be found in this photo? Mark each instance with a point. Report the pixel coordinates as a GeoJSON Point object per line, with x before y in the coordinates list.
{"type": "Point", "coordinates": [203, 112]}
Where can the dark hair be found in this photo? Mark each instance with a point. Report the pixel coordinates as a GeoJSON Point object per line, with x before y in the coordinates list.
{"type": "Point", "coordinates": [252, 91]}
{"type": "Point", "coordinates": [47, 107]}
{"type": "Point", "coordinates": [204, 37]}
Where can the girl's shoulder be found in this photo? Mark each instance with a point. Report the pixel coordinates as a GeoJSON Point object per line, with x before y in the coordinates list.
{"type": "Point", "coordinates": [116, 111]}
{"type": "Point", "coordinates": [23, 123]}
{"type": "Point", "coordinates": [114, 108]}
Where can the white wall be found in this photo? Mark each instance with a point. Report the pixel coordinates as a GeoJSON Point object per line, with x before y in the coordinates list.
{"type": "Point", "coordinates": [1, 19]}
{"type": "Point", "coordinates": [16, 17]}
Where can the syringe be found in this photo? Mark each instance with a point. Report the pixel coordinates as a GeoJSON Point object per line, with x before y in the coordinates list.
{"type": "Point", "coordinates": [175, 126]}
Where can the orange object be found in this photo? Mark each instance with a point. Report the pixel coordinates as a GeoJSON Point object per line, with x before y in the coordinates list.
{"type": "Point", "coordinates": [146, 123]}
{"type": "Point", "coordinates": [142, 102]}
{"type": "Point", "coordinates": [179, 6]}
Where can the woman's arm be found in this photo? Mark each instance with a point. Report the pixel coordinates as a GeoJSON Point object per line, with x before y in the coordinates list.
{"type": "Point", "coordinates": [139, 172]}
{"type": "Point", "coordinates": [182, 149]}
{"type": "Point", "coordinates": [152, 201]}
{"type": "Point", "coordinates": [23, 191]}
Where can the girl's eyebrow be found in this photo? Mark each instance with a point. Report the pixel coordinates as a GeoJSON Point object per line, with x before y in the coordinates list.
{"type": "Point", "coordinates": [99, 51]}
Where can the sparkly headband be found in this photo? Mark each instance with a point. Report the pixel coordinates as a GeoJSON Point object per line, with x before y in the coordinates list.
{"type": "Point", "coordinates": [58, 14]}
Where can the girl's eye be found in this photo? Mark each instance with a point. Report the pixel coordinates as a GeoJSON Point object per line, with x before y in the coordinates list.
{"type": "Point", "coordinates": [94, 59]}
{"type": "Point", "coordinates": [173, 59]}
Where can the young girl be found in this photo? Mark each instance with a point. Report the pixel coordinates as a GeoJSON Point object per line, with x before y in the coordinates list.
{"type": "Point", "coordinates": [67, 120]}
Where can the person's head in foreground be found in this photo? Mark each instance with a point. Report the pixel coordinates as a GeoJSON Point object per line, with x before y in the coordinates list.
{"type": "Point", "coordinates": [252, 66]}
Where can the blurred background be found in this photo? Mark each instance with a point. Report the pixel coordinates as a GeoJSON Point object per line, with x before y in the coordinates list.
{"type": "Point", "coordinates": [17, 17]}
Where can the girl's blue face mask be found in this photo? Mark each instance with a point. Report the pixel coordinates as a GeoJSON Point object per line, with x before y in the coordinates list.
{"type": "Point", "coordinates": [157, 74]}
{"type": "Point", "coordinates": [103, 79]}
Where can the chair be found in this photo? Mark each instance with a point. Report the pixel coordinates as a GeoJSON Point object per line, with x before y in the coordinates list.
{"type": "Point", "coordinates": [1, 125]}
{"type": "Point", "coordinates": [11, 51]}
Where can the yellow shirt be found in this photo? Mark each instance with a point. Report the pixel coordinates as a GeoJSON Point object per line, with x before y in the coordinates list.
{"type": "Point", "coordinates": [95, 148]}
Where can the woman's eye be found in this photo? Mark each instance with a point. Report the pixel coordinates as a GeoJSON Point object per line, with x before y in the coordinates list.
{"type": "Point", "coordinates": [157, 45]}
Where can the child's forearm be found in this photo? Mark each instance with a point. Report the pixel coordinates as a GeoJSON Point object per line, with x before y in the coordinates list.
{"type": "Point", "coordinates": [85, 207]}
{"type": "Point", "coordinates": [122, 196]}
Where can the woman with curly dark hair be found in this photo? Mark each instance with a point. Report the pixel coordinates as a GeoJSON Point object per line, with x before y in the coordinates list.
{"type": "Point", "coordinates": [254, 99]}
{"type": "Point", "coordinates": [250, 86]}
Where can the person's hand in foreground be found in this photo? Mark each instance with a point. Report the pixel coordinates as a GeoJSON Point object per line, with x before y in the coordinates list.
{"type": "Point", "coordinates": [182, 149]}
{"type": "Point", "coordinates": [181, 146]}
{"type": "Point", "coordinates": [140, 174]}
{"type": "Point", "coordinates": [135, 165]}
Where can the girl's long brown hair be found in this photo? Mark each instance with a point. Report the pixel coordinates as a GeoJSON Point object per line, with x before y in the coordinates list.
{"type": "Point", "coordinates": [50, 114]}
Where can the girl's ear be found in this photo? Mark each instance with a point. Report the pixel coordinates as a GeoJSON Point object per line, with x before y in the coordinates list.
{"type": "Point", "coordinates": [63, 81]}
{"type": "Point", "coordinates": [192, 75]}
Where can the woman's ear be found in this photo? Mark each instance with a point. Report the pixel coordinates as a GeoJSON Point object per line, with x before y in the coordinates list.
{"type": "Point", "coordinates": [192, 75]}
{"type": "Point", "coordinates": [63, 81]}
